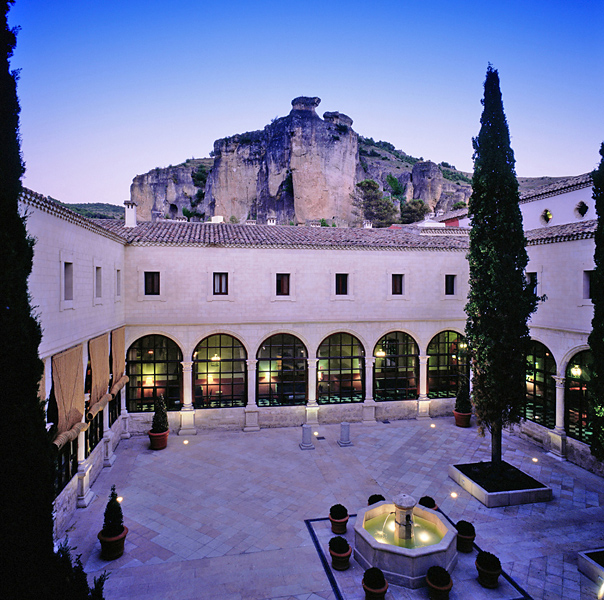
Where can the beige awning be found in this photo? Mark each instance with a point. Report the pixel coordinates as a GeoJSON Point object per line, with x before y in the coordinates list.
{"type": "Point", "coordinates": [119, 384]}
{"type": "Point", "coordinates": [99, 365]}
{"type": "Point", "coordinates": [99, 406]}
{"type": "Point", "coordinates": [68, 382]}
{"type": "Point", "coordinates": [118, 353]}
{"type": "Point", "coordinates": [68, 436]}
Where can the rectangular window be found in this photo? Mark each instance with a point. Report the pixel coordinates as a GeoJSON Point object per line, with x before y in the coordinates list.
{"type": "Point", "coordinates": [587, 285]}
{"type": "Point", "coordinates": [151, 283]}
{"type": "Point", "coordinates": [341, 284]}
{"type": "Point", "coordinates": [532, 281]}
{"type": "Point", "coordinates": [221, 284]}
{"type": "Point", "coordinates": [118, 282]}
{"type": "Point", "coordinates": [282, 284]}
{"type": "Point", "coordinates": [68, 281]}
{"type": "Point", "coordinates": [450, 285]}
{"type": "Point", "coordinates": [98, 282]}
{"type": "Point", "coordinates": [398, 284]}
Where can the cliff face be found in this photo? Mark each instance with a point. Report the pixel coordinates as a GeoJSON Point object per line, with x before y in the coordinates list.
{"type": "Point", "coordinates": [300, 167]}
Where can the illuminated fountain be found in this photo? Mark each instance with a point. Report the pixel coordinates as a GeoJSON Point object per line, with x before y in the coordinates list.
{"type": "Point", "coordinates": [404, 540]}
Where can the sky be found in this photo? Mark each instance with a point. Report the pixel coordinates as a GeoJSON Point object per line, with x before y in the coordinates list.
{"type": "Point", "coordinates": [112, 89]}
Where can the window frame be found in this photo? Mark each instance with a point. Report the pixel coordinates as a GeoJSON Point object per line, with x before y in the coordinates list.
{"type": "Point", "coordinates": [220, 277]}
{"type": "Point", "coordinates": [282, 284]}
{"type": "Point", "coordinates": [230, 295]}
{"type": "Point", "coordinates": [151, 283]}
{"type": "Point", "coordinates": [66, 258]}
{"type": "Point", "coordinates": [451, 285]}
{"type": "Point", "coordinates": [142, 296]}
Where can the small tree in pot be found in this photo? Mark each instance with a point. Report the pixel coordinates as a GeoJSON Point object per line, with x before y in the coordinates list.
{"type": "Point", "coordinates": [160, 428]}
{"type": "Point", "coordinates": [340, 551]}
{"type": "Point", "coordinates": [338, 515]}
{"type": "Point", "coordinates": [428, 502]}
{"type": "Point", "coordinates": [374, 498]}
{"type": "Point", "coordinates": [466, 534]}
{"type": "Point", "coordinates": [439, 583]}
{"type": "Point", "coordinates": [463, 407]}
{"type": "Point", "coordinates": [489, 569]}
{"type": "Point", "coordinates": [113, 534]}
{"type": "Point", "coordinates": [375, 584]}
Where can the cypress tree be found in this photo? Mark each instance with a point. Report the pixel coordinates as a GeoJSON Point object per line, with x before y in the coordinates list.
{"type": "Point", "coordinates": [500, 300]}
{"type": "Point", "coordinates": [596, 338]}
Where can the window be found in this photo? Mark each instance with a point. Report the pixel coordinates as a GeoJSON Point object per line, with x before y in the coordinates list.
{"type": "Point", "coordinates": [578, 415]}
{"type": "Point", "coordinates": [531, 279]}
{"type": "Point", "coordinates": [118, 283]}
{"type": "Point", "coordinates": [448, 364]}
{"type": "Point", "coordinates": [151, 283]}
{"type": "Point", "coordinates": [587, 285]}
{"type": "Point", "coordinates": [540, 405]}
{"type": "Point", "coordinates": [68, 281]}
{"type": "Point", "coordinates": [398, 284]}
{"type": "Point", "coordinates": [98, 282]}
{"type": "Point", "coordinates": [450, 285]}
{"type": "Point", "coordinates": [282, 280]}
{"type": "Point", "coordinates": [341, 284]}
{"type": "Point", "coordinates": [221, 284]}
{"type": "Point", "coordinates": [396, 368]}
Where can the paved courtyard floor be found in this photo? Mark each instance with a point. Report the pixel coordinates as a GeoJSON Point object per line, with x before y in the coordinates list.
{"type": "Point", "coordinates": [228, 515]}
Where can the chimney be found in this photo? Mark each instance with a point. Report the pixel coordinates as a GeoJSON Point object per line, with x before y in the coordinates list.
{"type": "Point", "coordinates": [130, 213]}
{"type": "Point", "coordinates": [367, 225]}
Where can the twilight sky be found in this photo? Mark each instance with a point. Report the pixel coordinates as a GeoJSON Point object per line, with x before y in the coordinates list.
{"type": "Point", "coordinates": [114, 88]}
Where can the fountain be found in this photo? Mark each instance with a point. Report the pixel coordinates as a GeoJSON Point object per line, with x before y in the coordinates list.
{"type": "Point", "coordinates": [404, 540]}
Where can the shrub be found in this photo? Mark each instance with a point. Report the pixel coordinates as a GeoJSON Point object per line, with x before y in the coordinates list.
{"type": "Point", "coordinates": [374, 578]}
{"type": "Point", "coordinates": [113, 522]}
{"type": "Point", "coordinates": [488, 561]}
{"type": "Point", "coordinates": [339, 545]}
{"type": "Point", "coordinates": [427, 501]}
{"type": "Point", "coordinates": [459, 204]}
{"type": "Point", "coordinates": [374, 498]}
{"type": "Point", "coordinates": [465, 528]}
{"type": "Point", "coordinates": [338, 511]}
{"type": "Point", "coordinates": [462, 402]}
{"type": "Point", "coordinates": [439, 576]}
{"type": "Point", "coordinates": [160, 417]}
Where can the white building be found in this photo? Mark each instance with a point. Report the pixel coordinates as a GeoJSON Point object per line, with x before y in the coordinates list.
{"type": "Point", "coordinates": [251, 326]}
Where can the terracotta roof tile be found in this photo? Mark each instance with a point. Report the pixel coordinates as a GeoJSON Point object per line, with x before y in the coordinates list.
{"type": "Point", "coordinates": [561, 233]}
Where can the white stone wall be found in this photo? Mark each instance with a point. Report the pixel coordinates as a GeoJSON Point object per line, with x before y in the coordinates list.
{"type": "Point", "coordinates": [562, 208]}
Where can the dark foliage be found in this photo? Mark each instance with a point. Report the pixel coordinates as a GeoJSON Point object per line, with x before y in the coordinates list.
{"type": "Point", "coordinates": [374, 578]}
{"type": "Point", "coordinates": [200, 177]}
{"type": "Point", "coordinates": [338, 511]}
{"type": "Point", "coordinates": [339, 545]}
{"type": "Point", "coordinates": [500, 299]}
{"type": "Point", "coordinates": [374, 498]}
{"type": "Point", "coordinates": [427, 501]}
{"type": "Point", "coordinates": [438, 576]}
{"type": "Point", "coordinates": [596, 338]}
{"type": "Point", "coordinates": [113, 519]}
{"type": "Point", "coordinates": [488, 561]}
{"type": "Point", "coordinates": [413, 211]}
{"type": "Point", "coordinates": [462, 401]}
{"type": "Point", "coordinates": [373, 205]}
{"type": "Point", "coordinates": [160, 417]}
{"type": "Point", "coordinates": [465, 528]}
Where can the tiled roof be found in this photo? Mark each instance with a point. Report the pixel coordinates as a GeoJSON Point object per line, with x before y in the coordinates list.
{"type": "Point", "coordinates": [554, 189]}
{"type": "Point", "coordinates": [561, 233]}
{"type": "Point", "coordinates": [175, 233]}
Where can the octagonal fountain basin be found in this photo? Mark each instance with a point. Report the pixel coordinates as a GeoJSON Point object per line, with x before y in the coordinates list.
{"type": "Point", "coordinates": [404, 540]}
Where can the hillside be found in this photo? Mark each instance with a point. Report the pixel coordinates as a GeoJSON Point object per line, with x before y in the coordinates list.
{"type": "Point", "coordinates": [96, 210]}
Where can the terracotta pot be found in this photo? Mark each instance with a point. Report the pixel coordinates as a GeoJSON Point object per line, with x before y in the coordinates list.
{"type": "Point", "coordinates": [338, 525]}
{"type": "Point", "coordinates": [462, 419]}
{"type": "Point", "coordinates": [437, 592]}
{"type": "Point", "coordinates": [112, 547]}
{"type": "Point", "coordinates": [373, 594]}
{"type": "Point", "coordinates": [159, 440]}
{"type": "Point", "coordinates": [488, 579]}
{"type": "Point", "coordinates": [465, 543]}
{"type": "Point", "coordinates": [340, 562]}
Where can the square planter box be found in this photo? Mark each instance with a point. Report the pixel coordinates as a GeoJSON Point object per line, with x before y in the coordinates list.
{"type": "Point", "coordinates": [591, 564]}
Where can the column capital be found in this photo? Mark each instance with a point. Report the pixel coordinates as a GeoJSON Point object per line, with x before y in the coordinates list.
{"type": "Point", "coordinates": [423, 360]}
{"type": "Point", "coordinates": [251, 364]}
{"type": "Point", "coordinates": [560, 381]}
{"type": "Point", "coordinates": [312, 363]}
{"type": "Point", "coordinates": [369, 361]}
{"type": "Point", "coordinates": [187, 366]}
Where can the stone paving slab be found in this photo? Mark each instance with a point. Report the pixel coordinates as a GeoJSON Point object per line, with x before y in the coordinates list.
{"type": "Point", "coordinates": [223, 516]}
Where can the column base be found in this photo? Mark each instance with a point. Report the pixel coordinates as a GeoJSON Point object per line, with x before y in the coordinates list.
{"type": "Point", "coordinates": [251, 419]}
{"type": "Point", "coordinates": [369, 412]}
{"type": "Point", "coordinates": [187, 422]}
{"type": "Point", "coordinates": [126, 435]}
{"type": "Point", "coordinates": [85, 494]}
{"type": "Point", "coordinates": [312, 414]}
{"type": "Point", "coordinates": [557, 440]}
{"type": "Point", "coordinates": [423, 407]}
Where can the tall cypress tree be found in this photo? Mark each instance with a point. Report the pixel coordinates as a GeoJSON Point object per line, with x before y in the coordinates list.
{"type": "Point", "coordinates": [596, 338]}
{"type": "Point", "coordinates": [500, 299]}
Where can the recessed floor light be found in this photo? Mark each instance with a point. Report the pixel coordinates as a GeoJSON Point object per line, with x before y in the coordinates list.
{"type": "Point", "coordinates": [453, 494]}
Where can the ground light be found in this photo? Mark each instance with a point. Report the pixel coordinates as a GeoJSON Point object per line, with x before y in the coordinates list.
{"type": "Point", "coordinates": [185, 442]}
{"type": "Point", "coordinates": [119, 498]}
{"type": "Point", "coordinates": [433, 425]}
{"type": "Point", "coordinates": [453, 494]}
{"type": "Point", "coordinates": [535, 460]}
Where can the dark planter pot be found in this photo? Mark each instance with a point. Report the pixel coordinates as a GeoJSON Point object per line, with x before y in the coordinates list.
{"type": "Point", "coordinates": [338, 525]}
{"type": "Point", "coordinates": [112, 547]}
{"type": "Point", "coordinates": [437, 592]}
{"type": "Point", "coordinates": [488, 579]}
{"type": "Point", "coordinates": [158, 440]}
{"type": "Point", "coordinates": [462, 419]}
{"type": "Point", "coordinates": [373, 594]}
{"type": "Point", "coordinates": [340, 562]}
{"type": "Point", "coordinates": [465, 543]}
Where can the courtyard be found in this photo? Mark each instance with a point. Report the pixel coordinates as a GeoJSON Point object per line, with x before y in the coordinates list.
{"type": "Point", "coordinates": [231, 515]}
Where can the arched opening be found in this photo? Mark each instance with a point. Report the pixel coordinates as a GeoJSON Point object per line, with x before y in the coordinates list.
{"type": "Point", "coordinates": [220, 372]}
{"type": "Point", "coordinates": [540, 405]}
{"type": "Point", "coordinates": [577, 409]}
{"type": "Point", "coordinates": [448, 364]}
{"type": "Point", "coordinates": [396, 368]}
{"type": "Point", "coordinates": [153, 366]}
{"type": "Point", "coordinates": [281, 372]}
{"type": "Point", "coordinates": [340, 370]}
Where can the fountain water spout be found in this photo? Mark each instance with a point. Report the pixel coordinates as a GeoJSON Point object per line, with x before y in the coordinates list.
{"type": "Point", "coordinates": [403, 516]}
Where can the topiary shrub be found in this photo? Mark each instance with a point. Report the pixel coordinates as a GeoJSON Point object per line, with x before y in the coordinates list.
{"type": "Point", "coordinates": [338, 511]}
{"type": "Point", "coordinates": [465, 528]}
{"type": "Point", "coordinates": [374, 578]}
{"type": "Point", "coordinates": [160, 417]}
{"type": "Point", "coordinates": [462, 402]}
{"type": "Point", "coordinates": [438, 576]}
{"type": "Point", "coordinates": [427, 501]}
{"type": "Point", "coordinates": [339, 545]}
{"type": "Point", "coordinates": [113, 521]}
{"type": "Point", "coordinates": [374, 498]}
{"type": "Point", "coordinates": [488, 561]}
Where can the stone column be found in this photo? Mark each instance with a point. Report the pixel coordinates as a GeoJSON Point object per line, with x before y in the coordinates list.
{"type": "Point", "coordinates": [307, 438]}
{"type": "Point", "coordinates": [108, 455]}
{"type": "Point", "coordinates": [312, 408]}
{"type": "Point", "coordinates": [251, 408]}
{"type": "Point", "coordinates": [369, 404]}
{"type": "Point", "coordinates": [423, 402]}
{"type": "Point", "coordinates": [187, 412]}
{"type": "Point", "coordinates": [558, 435]}
{"type": "Point", "coordinates": [85, 494]}
{"type": "Point", "coordinates": [124, 416]}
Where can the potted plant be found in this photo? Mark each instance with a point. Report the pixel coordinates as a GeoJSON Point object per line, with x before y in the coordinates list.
{"type": "Point", "coordinates": [439, 583]}
{"type": "Point", "coordinates": [340, 551]}
{"type": "Point", "coordinates": [489, 569]}
{"type": "Point", "coordinates": [466, 534]}
{"type": "Point", "coordinates": [428, 502]}
{"type": "Point", "coordinates": [463, 407]}
{"type": "Point", "coordinates": [113, 534]}
{"type": "Point", "coordinates": [160, 428]}
{"type": "Point", "coordinates": [374, 498]}
{"type": "Point", "coordinates": [338, 515]}
{"type": "Point", "coordinates": [375, 584]}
